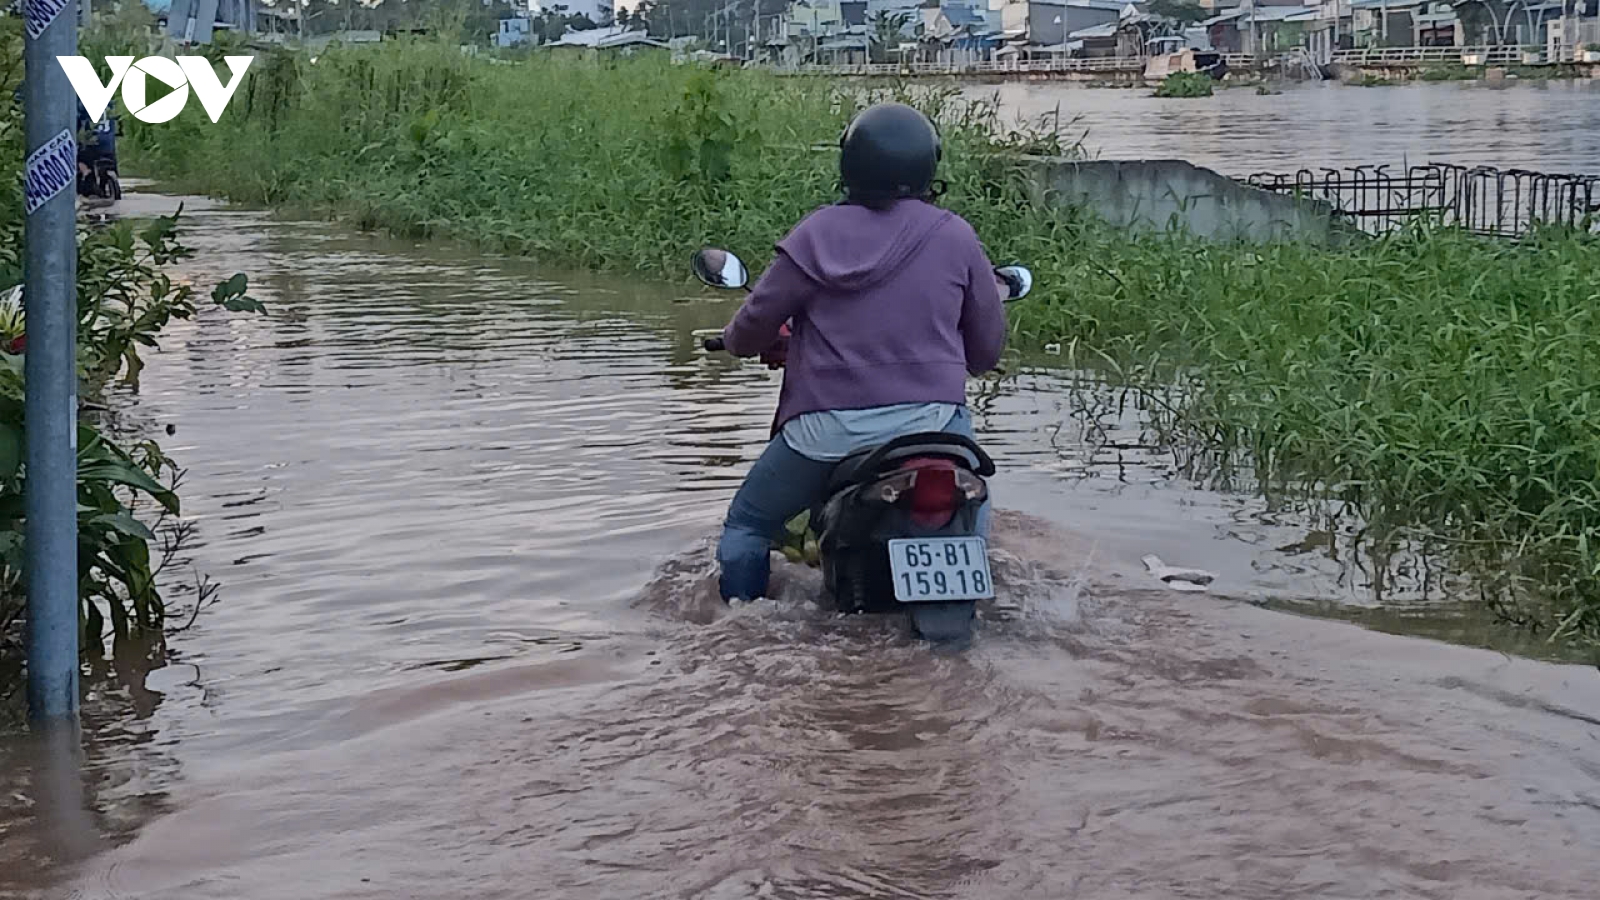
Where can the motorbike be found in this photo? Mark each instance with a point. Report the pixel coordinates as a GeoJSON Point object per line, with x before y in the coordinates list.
{"type": "Point", "coordinates": [102, 180]}
{"type": "Point", "coordinates": [897, 529]}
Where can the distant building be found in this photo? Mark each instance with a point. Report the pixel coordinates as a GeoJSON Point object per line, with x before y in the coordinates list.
{"type": "Point", "coordinates": [1260, 30]}
{"type": "Point", "coordinates": [1436, 25]}
{"type": "Point", "coordinates": [812, 18]}
{"type": "Point", "coordinates": [1433, 23]}
{"type": "Point", "coordinates": [907, 8]}
{"type": "Point", "coordinates": [319, 42]}
{"type": "Point", "coordinates": [1042, 27]}
{"type": "Point", "coordinates": [1577, 32]}
{"type": "Point", "coordinates": [959, 33]}
{"type": "Point", "coordinates": [618, 38]}
{"type": "Point", "coordinates": [596, 11]}
{"type": "Point", "coordinates": [1096, 41]}
{"type": "Point", "coordinates": [514, 31]}
{"type": "Point", "coordinates": [194, 21]}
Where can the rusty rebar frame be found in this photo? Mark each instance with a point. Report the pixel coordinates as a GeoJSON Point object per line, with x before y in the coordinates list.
{"type": "Point", "coordinates": [1482, 199]}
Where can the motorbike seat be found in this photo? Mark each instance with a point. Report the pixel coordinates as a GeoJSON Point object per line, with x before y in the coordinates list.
{"type": "Point", "coordinates": [845, 471]}
{"type": "Point", "coordinates": [864, 464]}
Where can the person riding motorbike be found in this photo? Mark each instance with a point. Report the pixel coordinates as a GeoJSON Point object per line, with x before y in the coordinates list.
{"type": "Point", "coordinates": [96, 141]}
{"type": "Point", "coordinates": [878, 307]}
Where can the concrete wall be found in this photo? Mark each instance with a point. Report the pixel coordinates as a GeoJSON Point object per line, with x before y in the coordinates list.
{"type": "Point", "coordinates": [1162, 194]}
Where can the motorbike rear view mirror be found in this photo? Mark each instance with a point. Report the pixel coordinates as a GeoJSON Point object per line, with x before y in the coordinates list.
{"type": "Point", "coordinates": [719, 268]}
{"type": "Point", "coordinates": [1018, 279]}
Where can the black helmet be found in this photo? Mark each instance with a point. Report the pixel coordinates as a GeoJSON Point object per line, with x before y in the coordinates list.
{"type": "Point", "coordinates": [888, 151]}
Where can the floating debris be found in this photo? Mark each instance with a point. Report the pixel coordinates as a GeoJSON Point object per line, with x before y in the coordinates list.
{"type": "Point", "coordinates": [1178, 579]}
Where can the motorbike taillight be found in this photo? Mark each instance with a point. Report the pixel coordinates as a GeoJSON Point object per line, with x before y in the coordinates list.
{"type": "Point", "coordinates": [929, 489]}
{"type": "Point", "coordinates": [934, 495]}
{"type": "Point", "coordinates": [971, 485]}
{"type": "Point", "coordinates": [890, 489]}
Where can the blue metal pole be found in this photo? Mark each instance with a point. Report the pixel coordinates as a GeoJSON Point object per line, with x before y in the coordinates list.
{"type": "Point", "coordinates": [50, 296]}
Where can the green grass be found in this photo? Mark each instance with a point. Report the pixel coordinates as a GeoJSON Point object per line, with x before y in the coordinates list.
{"type": "Point", "coordinates": [608, 167]}
{"type": "Point", "coordinates": [1455, 72]}
{"type": "Point", "coordinates": [1429, 386]}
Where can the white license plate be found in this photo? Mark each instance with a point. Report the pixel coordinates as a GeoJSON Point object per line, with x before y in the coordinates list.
{"type": "Point", "coordinates": [928, 570]}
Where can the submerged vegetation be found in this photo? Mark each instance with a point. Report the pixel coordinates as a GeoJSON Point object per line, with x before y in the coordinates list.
{"type": "Point", "coordinates": [1186, 84]}
{"type": "Point", "coordinates": [1423, 387]}
{"type": "Point", "coordinates": [1450, 72]}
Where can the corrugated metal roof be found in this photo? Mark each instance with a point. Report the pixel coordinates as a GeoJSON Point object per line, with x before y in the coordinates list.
{"type": "Point", "coordinates": [601, 38]}
{"type": "Point", "coordinates": [1280, 13]}
{"type": "Point", "coordinates": [1103, 30]}
{"type": "Point", "coordinates": [962, 15]}
{"type": "Point", "coordinates": [1264, 14]}
{"type": "Point", "coordinates": [1112, 5]}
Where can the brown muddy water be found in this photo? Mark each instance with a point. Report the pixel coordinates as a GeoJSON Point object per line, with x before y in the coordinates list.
{"type": "Point", "coordinates": [466, 645]}
{"type": "Point", "coordinates": [1543, 126]}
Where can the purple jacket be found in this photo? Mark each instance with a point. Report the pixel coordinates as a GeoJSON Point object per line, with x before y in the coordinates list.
{"type": "Point", "coordinates": [892, 306]}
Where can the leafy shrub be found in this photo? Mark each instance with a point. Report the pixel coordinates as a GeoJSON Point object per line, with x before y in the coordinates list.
{"type": "Point", "coordinates": [1186, 85]}
{"type": "Point", "coordinates": [124, 301]}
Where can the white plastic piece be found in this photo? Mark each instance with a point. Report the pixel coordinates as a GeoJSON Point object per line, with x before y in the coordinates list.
{"type": "Point", "coordinates": [1178, 579]}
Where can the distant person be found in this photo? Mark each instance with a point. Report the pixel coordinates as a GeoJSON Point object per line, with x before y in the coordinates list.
{"type": "Point", "coordinates": [96, 141]}
{"type": "Point", "coordinates": [890, 302]}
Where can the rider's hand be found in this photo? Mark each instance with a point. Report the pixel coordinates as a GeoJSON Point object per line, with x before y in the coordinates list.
{"type": "Point", "coordinates": [776, 355]}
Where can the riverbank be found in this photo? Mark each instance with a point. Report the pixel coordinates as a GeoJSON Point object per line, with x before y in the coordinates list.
{"type": "Point", "coordinates": [1378, 74]}
{"type": "Point", "coordinates": [1430, 387]}
{"type": "Point", "coordinates": [1399, 63]}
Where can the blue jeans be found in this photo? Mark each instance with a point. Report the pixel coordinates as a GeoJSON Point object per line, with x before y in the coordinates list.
{"type": "Point", "coordinates": [781, 485]}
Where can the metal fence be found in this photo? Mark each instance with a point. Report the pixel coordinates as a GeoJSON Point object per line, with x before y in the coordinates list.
{"type": "Point", "coordinates": [1467, 56]}
{"type": "Point", "coordinates": [1375, 56]}
{"type": "Point", "coordinates": [1483, 200]}
{"type": "Point", "coordinates": [1108, 64]}
{"type": "Point", "coordinates": [1096, 64]}
{"type": "Point", "coordinates": [1370, 57]}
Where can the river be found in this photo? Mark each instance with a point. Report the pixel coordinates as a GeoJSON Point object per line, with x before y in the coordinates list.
{"type": "Point", "coordinates": [1547, 126]}
{"type": "Point", "coordinates": [466, 644]}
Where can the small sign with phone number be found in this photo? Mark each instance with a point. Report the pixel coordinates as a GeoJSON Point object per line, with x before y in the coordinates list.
{"type": "Point", "coordinates": [51, 169]}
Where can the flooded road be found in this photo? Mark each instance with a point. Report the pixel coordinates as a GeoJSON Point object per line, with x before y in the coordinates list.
{"type": "Point", "coordinates": [467, 645]}
{"type": "Point", "coordinates": [1548, 127]}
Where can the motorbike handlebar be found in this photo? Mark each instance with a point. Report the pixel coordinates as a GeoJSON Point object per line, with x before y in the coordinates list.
{"type": "Point", "coordinates": [714, 345]}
